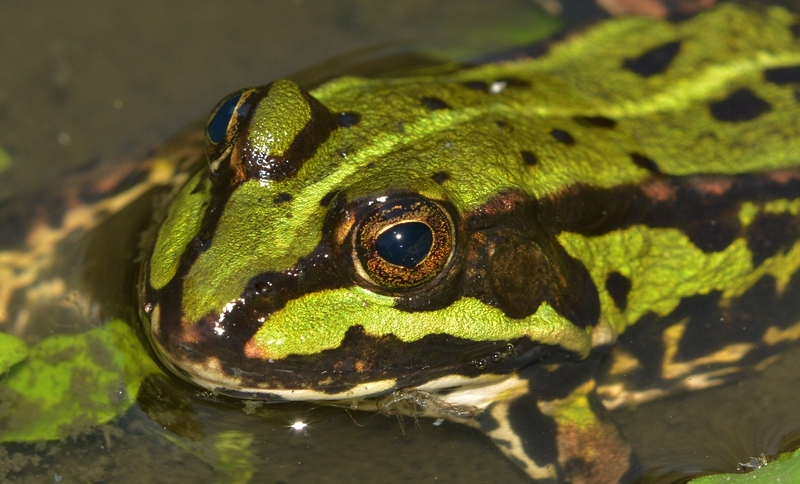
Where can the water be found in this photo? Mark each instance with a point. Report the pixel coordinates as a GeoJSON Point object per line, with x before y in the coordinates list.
{"type": "Point", "coordinates": [96, 81]}
{"type": "Point", "coordinates": [85, 85]}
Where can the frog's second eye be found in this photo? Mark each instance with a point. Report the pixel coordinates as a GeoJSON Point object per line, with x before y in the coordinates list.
{"type": "Point", "coordinates": [402, 243]}
{"type": "Point", "coordinates": [220, 120]}
{"type": "Point", "coordinates": [224, 124]}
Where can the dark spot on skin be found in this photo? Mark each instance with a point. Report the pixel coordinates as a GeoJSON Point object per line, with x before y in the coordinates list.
{"type": "Point", "coordinates": [370, 165]}
{"type": "Point", "coordinates": [618, 286]}
{"type": "Point", "coordinates": [771, 233]}
{"type": "Point", "coordinates": [741, 105]}
{"type": "Point", "coordinates": [528, 158]}
{"type": "Point", "coordinates": [562, 136]}
{"type": "Point", "coordinates": [783, 75]}
{"type": "Point", "coordinates": [282, 198]}
{"type": "Point", "coordinates": [795, 29]}
{"type": "Point", "coordinates": [654, 61]}
{"type": "Point", "coordinates": [348, 119]}
{"type": "Point", "coordinates": [434, 103]}
{"type": "Point", "coordinates": [328, 198]}
{"type": "Point", "coordinates": [596, 121]}
{"type": "Point", "coordinates": [477, 85]}
{"type": "Point", "coordinates": [440, 177]}
{"type": "Point", "coordinates": [504, 126]}
{"type": "Point", "coordinates": [644, 162]}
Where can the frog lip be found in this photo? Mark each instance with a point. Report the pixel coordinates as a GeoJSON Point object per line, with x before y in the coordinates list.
{"type": "Point", "coordinates": [479, 391]}
{"type": "Point", "coordinates": [288, 380]}
{"type": "Point", "coordinates": [362, 391]}
{"type": "Point", "coordinates": [454, 385]}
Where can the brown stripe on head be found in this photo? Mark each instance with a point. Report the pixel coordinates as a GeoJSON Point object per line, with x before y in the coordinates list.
{"type": "Point", "coordinates": [286, 128]}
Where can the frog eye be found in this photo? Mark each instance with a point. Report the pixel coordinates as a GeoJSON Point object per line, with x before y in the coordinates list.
{"type": "Point", "coordinates": [220, 119]}
{"type": "Point", "coordinates": [403, 243]}
{"type": "Point", "coordinates": [224, 120]}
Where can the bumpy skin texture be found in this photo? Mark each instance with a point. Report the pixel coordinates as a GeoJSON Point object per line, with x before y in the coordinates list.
{"type": "Point", "coordinates": [633, 172]}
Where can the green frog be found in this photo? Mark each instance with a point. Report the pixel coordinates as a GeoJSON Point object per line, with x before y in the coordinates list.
{"type": "Point", "coordinates": [517, 246]}
{"type": "Point", "coordinates": [469, 246]}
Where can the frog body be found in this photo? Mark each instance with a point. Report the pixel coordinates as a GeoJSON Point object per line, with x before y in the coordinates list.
{"type": "Point", "coordinates": [463, 245]}
{"type": "Point", "coordinates": [517, 246]}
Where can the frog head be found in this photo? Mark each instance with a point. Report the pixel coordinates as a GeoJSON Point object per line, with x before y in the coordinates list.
{"type": "Point", "coordinates": [332, 250]}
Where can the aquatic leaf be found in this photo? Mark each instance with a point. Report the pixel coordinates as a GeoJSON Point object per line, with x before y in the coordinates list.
{"type": "Point", "coordinates": [12, 349]}
{"type": "Point", "coordinates": [785, 469]}
{"type": "Point", "coordinates": [71, 383]}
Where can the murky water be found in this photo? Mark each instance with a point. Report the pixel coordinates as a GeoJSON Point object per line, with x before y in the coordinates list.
{"type": "Point", "coordinates": [89, 84]}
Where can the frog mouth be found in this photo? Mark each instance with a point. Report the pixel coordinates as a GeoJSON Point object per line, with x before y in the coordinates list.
{"type": "Point", "coordinates": [382, 365]}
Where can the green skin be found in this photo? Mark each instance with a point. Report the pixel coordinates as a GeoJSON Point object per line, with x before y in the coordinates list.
{"type": "Point", "coordinates": [545, 180]}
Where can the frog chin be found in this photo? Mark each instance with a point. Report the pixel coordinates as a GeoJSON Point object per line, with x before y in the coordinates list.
{"type": "Point", "coordinates": [449, 391]}
{"type": "Point", "coordinates": [232, 383]}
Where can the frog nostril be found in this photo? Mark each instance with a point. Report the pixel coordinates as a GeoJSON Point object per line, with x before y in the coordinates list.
{"type": "Point", "coordinates": [269, 292]}
{"type": "Point", "coordinates": [274, 285]}
{"type": "Point", "coordinates": [263, 287]}
{"type": "Point", "coordinates": [200, 244]}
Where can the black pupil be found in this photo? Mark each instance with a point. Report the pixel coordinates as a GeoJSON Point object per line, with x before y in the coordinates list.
{"type": "Point", "coordinates": [406, 244]}
{"type": "Point", "coordinates": [218, 125]}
